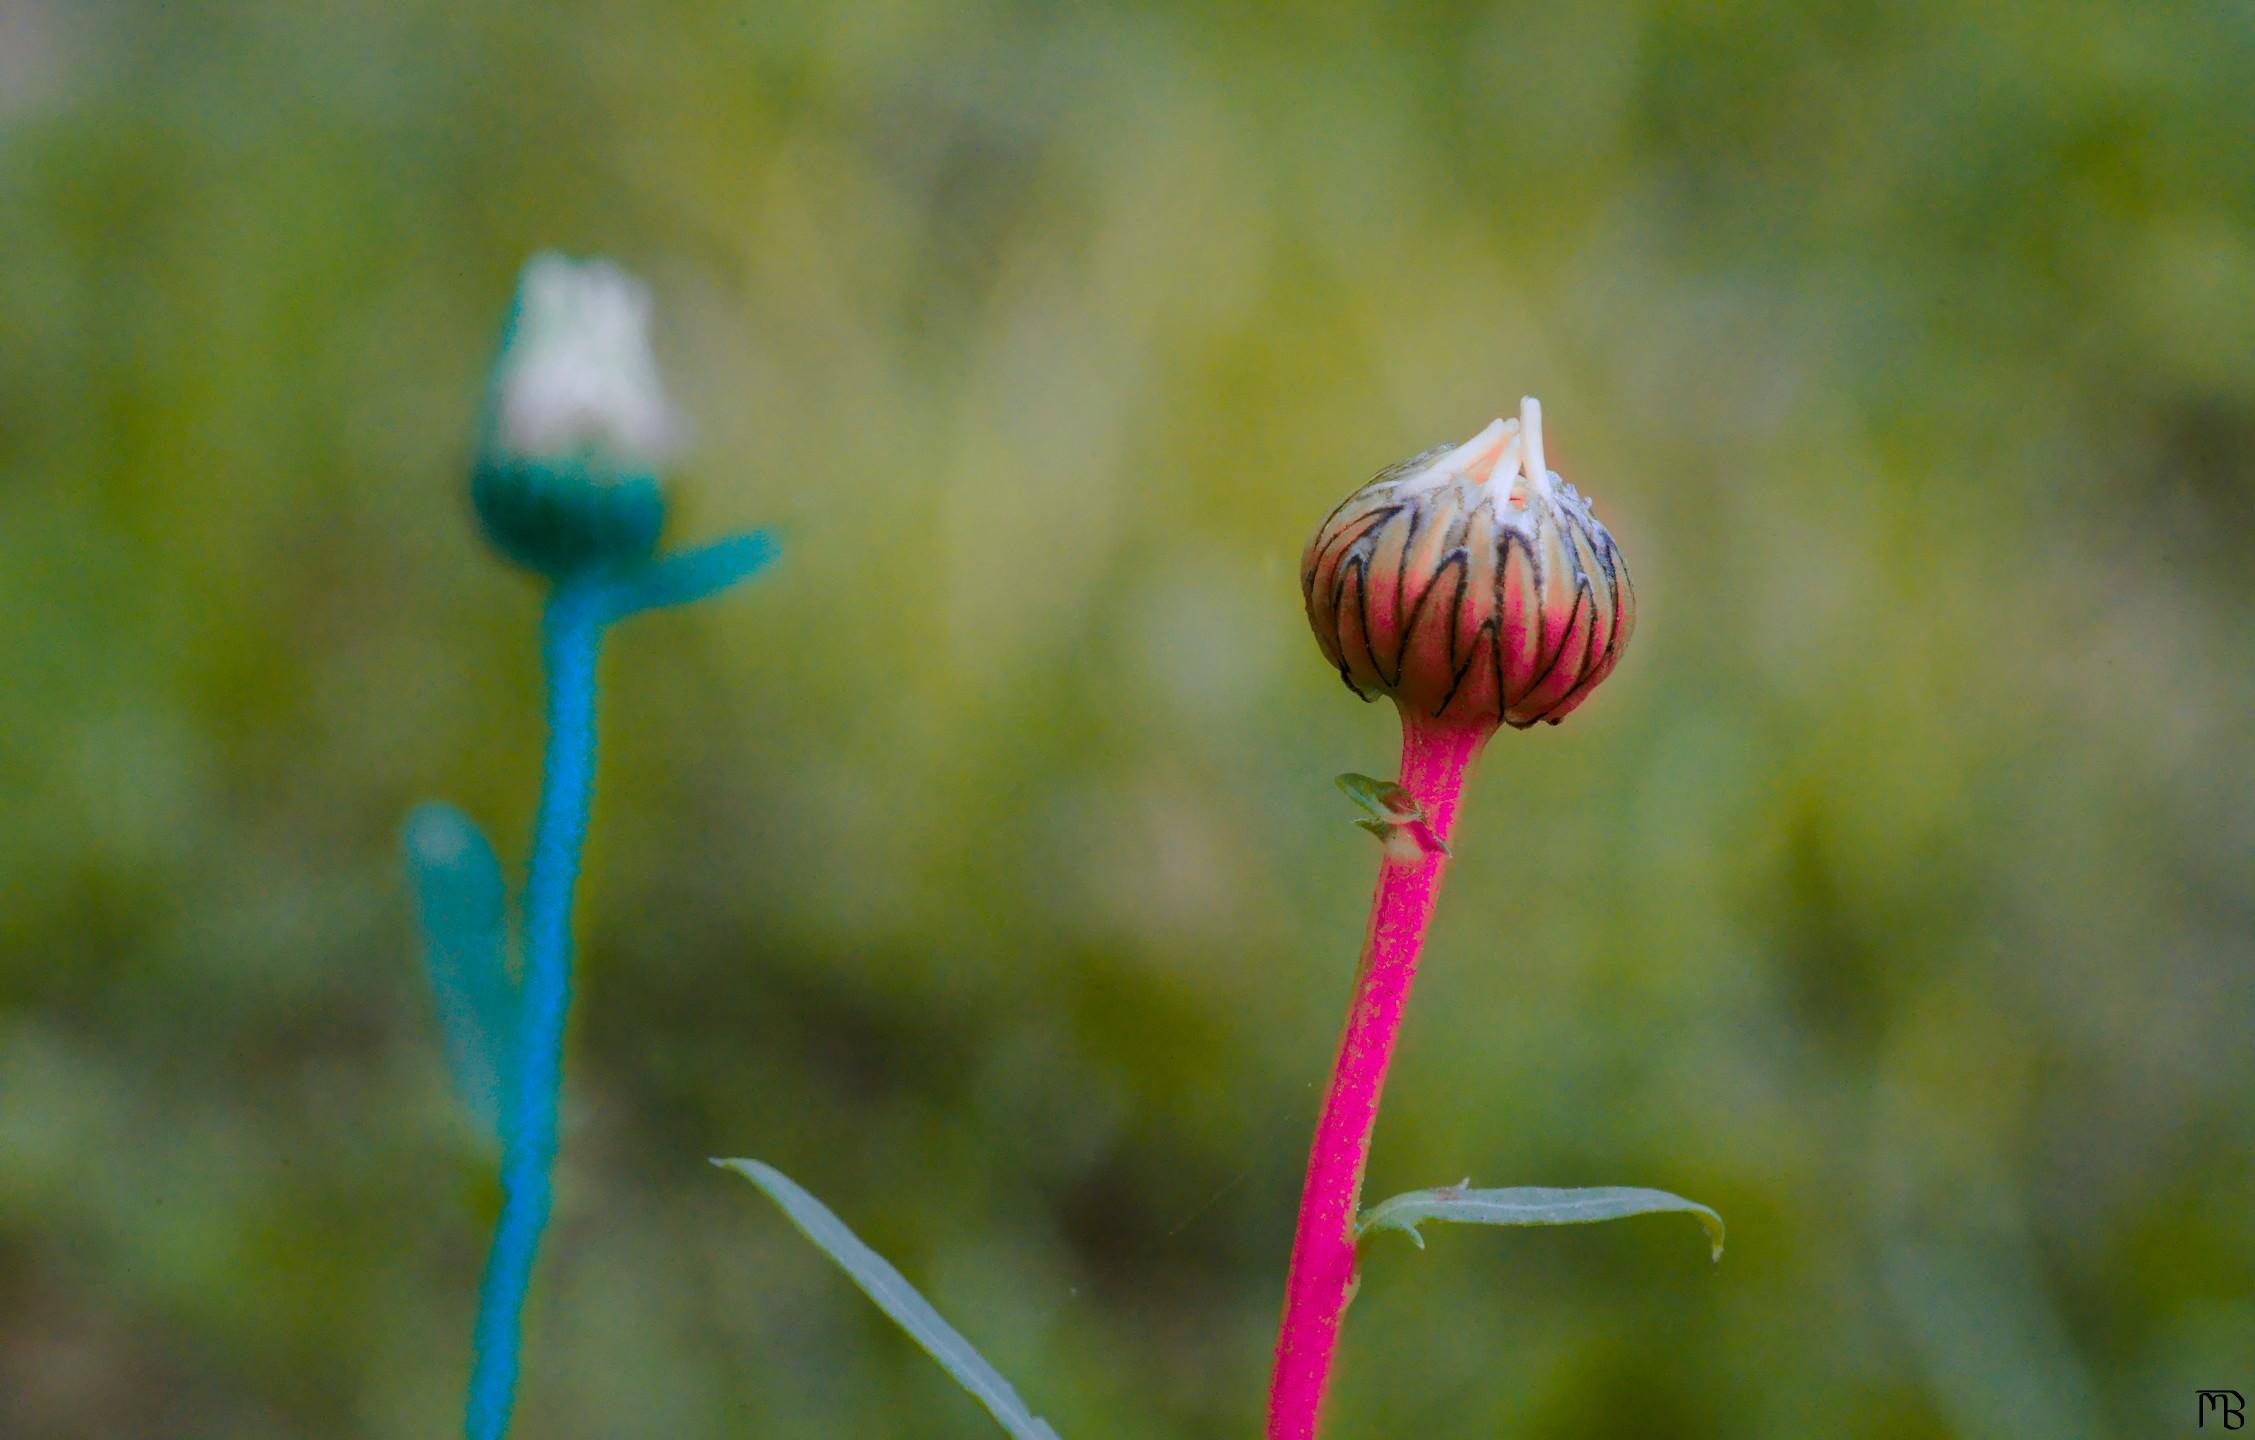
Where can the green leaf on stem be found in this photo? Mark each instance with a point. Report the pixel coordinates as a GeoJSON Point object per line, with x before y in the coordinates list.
{"type": "Point", "coordinates": [897, 1298]}
{"type": "Point", "coordinates": [1530, 1205]}
{"type": "Point", "coordinates": [1385, 800]}
{"type": "Point", "coordinates": [1396, 817]}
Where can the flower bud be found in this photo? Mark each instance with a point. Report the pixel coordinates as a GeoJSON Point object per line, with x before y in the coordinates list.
{"type": "Point", "coordinates": [1471, 584]}
{"type": "Point", "coordinates": [577, 423]}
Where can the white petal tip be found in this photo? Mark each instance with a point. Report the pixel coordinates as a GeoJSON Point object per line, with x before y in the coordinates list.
{"type": "Point", "coordinates": [1478, 458]}
{"type": "Point", "coordinates": [1530, 430]}
{"type": "Point", "coordinates": [578, 369]}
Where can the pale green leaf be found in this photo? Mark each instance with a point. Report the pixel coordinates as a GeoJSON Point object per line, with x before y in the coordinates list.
{"type": "Point", "coordinates": [1531, 1205]}
{"type": "Point", "coordinates": [897, 1298]}
{"type": "Point", "coordinates": [1394, 815]}
{"type": "Point", "coordinates": [1382, 798]}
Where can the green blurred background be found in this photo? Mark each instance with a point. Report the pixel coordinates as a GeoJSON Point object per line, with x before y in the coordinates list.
{"type": "Point", "coordinates": [980, 866]}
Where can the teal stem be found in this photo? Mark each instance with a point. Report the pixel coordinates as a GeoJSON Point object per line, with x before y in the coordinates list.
{"type": "Point", "coordinates": [572, 635]}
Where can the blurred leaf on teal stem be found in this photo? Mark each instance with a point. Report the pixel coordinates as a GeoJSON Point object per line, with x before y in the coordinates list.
{"type": "Point", "coordinates": [462, 903]}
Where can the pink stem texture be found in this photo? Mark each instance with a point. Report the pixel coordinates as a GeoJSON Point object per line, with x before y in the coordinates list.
{"type": "Point", "coordinates": [1322, 1275]}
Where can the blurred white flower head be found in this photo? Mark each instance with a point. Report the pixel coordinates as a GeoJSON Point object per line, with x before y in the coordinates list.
{"type": "Point", "coordinates": [577, 376]}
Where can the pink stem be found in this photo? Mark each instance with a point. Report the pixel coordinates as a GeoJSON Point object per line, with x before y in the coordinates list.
{"type": "Point", "coordinates": [1322, 1276]}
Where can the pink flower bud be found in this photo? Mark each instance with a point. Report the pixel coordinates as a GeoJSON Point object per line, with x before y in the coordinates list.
{"type": "Point", "coordinates": [1472, 585]}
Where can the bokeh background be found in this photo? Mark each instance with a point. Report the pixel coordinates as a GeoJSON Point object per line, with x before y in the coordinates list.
{"type": "Point", "coordinates": [980, 866]}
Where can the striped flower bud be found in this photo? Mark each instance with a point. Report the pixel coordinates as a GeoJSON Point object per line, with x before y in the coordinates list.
{"type": "Point", "coordinates": [1471, 584]}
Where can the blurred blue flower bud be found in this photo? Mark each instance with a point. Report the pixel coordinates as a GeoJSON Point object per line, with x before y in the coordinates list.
{"type": "Point", "coordinates": [577, 423]}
